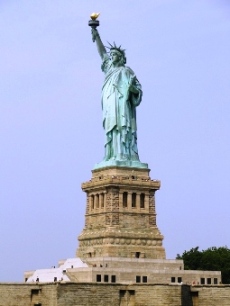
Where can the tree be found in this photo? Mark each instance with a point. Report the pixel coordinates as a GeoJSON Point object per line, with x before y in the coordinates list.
{"type": "Point", "coordinates": [212, 259]}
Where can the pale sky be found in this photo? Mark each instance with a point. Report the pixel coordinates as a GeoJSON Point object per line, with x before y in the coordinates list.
{"type": "Point", "coordinates": [51, 133]}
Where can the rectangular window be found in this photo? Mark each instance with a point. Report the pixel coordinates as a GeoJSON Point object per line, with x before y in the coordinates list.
{"type": "Point", "coordinates": [35, 291]}
{"type": "Point", "coordinates": [173, 279]}
{"type": "Point", "coordinates": [92, 202]}
{"type": "Point", "coordinates": [131, 292]}
{"type": "Point", "coordinates": [125, 199]}
{"type": "Point", "coordinates": [179, 279]}
{"type": "Point", "coordinates": [134, 200]}
{"type": "Point", "coordinates": [202, 281]}
{"type": "Point", "coordinates": [138, 279]}
{"type": "Point", "coordinates": [106, 278]}
{"type": "Point", "coordinates": [98, 278]}
{"type": "Point", "coordinates": [113, 279]}
{"type": "Point", "coordinates": [97, 200]}
{"type": "Point", "coordinates": [215, 281]}
{"type": "Point", "coordinates": [137, 254]}
{"type": "Point", "coordinates": [142, 200]}
{"type": "Point", "coordinates": [209, 281]}
{"type": "Point", "coordinates": [122, 293]}
{"type": "Point", "coordinates": [102, 200]}
{"type": "Point", "coordinates": [144, 279]}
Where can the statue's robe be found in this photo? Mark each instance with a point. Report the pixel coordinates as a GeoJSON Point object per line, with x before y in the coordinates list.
{"type": "Point", "coordinates": [119, 112]}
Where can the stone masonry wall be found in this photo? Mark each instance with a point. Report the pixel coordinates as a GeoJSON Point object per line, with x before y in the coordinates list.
{"type": "Point", "coordinates": [12, 294]}
{"type": "Point", "coordinates": [213, 296]}
{"type": "Point", "coordinates": [120, 295]}
{"type": "Point", "coordinates": [92, 294]}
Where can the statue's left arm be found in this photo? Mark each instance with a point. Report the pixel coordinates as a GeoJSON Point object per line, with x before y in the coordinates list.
{"type": "Point", "coordinates": [132, 86]}
{"type": "Point", "coordinates": [135, 91]}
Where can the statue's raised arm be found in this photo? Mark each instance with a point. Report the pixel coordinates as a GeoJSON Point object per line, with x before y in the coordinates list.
{"type": "Point", "coordinates": [100, 47]}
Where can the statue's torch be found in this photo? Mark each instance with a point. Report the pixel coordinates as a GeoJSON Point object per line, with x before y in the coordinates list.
{"type": "Point", "coordinates": [94, 23]}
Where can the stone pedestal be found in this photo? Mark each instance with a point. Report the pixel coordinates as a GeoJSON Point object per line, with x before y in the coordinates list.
{"type": "Point", "coordinates": [120, 218]}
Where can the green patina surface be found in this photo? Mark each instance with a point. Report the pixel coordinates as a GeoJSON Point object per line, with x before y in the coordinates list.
{"type": "Point", "coordinates": [121, 94]}
{"type": "Point", "coordinates": [121, 163]}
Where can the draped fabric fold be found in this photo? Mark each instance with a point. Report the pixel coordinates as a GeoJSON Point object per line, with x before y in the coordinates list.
{"type": "Point", "coordinates": [119, 112]}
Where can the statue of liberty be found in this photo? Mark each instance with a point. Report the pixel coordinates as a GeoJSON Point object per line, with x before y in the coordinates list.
{"type": "Point", "coordinates": [121, 94]}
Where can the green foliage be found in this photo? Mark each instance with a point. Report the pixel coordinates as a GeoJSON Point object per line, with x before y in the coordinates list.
{"type": "Point", "coordinates": [212, 259]}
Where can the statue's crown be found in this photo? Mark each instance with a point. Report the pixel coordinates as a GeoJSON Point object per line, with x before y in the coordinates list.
{"type": "Point", "coordinates": [118, 49]}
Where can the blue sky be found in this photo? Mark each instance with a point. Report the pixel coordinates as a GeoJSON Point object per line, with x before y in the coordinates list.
{"type": "Point", "coordinates": [50, 120]}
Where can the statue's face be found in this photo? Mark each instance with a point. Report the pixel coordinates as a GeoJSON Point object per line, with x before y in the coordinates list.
{"type": "Point", "coordinates": [115, 56]}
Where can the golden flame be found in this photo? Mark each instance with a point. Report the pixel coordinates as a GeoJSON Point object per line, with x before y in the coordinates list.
{"type": "Point", "coordinates": [94, 16]}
